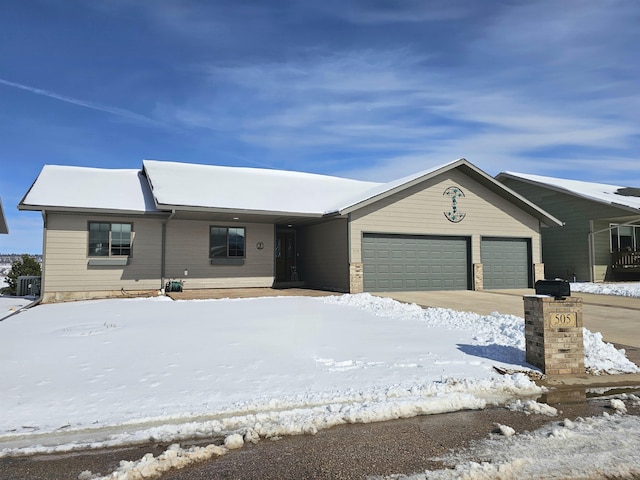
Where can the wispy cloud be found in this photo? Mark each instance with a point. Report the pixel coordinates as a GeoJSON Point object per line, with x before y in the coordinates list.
{"type": "Point", "coordinates": [121, 112]}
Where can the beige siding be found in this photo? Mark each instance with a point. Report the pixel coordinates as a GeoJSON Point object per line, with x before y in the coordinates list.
{"type": "Point", "coordinates": [324, 255]}
{"type": "Point", "coordinates": [188, 248]}
{"type": "Point", "coordinates": [419, 210]}
{"type": "Point", "coordinates": [67, 263]}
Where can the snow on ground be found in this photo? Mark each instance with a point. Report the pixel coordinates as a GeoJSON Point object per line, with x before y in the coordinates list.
{"type": "Point", "coordinates": [112, 372]}
{"type": "Point", "coordinates": [9, 304]}
{"type": "Point", "coordinates": [622, 289]}
{"type": "Point", "coordinates": [596, 447]}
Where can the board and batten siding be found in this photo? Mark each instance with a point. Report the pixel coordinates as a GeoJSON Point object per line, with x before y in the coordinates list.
{"type": "Point", "coordinates": [188, 249]}
{"type": "Point", "coordinates": [67, 266]}
{"type": "Point", "coordinates": [419, 210]}
{"type": "Point", "coordinates": [323, 260]}
{"type": "Point", "coordinates": [566, 249]}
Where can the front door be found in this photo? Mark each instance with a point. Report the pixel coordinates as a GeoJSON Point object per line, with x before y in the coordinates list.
{"type": "Point", "coordinates": [286, 256]}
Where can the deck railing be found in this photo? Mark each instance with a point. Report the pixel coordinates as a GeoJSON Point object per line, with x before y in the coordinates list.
{"type": "Point", "coordinates": [626, 259]}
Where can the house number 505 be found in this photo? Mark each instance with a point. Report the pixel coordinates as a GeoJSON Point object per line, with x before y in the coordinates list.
{"type": "Point", "coordinates": [569, 319]}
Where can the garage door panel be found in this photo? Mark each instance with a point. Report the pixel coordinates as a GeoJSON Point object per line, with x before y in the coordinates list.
{"type": "Point", "coordinates": [506, 262]}
{"type": "Point", "coordinates": [415, 262]}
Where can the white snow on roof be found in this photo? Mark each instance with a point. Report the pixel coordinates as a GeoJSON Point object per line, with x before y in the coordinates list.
{"type": "Point", "coordinates": [84, 187]}
{"type": "Point", "coordinates": [599, 192]}
{"type": "Point", "coordinates": [256, 189]}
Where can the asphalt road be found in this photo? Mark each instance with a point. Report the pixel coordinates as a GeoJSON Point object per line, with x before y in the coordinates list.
{"type": "Point", "coordinates": [344, 452]}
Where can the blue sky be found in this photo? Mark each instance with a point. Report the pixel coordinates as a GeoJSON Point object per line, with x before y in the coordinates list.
{"type": "Point", "coordinates": [367, 89]}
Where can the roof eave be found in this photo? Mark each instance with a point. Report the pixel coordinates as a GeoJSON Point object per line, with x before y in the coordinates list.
{"type": "Point", "coordinates": [565, 191]}
{"type": "Point", "coordinates": [103, 211]}
{"type": "Point", "coordinates": [239, 211]}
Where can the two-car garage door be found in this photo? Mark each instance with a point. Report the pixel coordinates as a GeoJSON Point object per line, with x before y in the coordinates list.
{"type": "Point", "coordinates": [414, 262]}
{"type": "Point", "coordinates": [417, 262]}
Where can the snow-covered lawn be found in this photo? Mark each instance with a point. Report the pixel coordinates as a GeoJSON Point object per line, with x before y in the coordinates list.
{"type": "Point", "coordinates": [110, 372]}
{"type": "Point", "coordinates": [9, 304]}
{"type": "Point", "coordinates": [622, 289]}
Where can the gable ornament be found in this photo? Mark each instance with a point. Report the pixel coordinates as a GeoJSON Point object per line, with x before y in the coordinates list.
{"type": "Point", "coordinates": [453, 214]}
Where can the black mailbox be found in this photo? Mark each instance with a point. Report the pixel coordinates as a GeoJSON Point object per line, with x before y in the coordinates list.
{"type": "Point", "coordinates": [557, 288]}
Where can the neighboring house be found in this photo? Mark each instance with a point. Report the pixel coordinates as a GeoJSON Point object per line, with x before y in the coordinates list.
{"type": "Point", "coordinates": [3, 221]}
{"type": "Point", "coordinates": [601, 237]}
{"type": "Point", "coordinates": [450, 227]}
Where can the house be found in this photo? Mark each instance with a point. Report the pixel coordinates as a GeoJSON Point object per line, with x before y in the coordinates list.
{"type": "Point", "coordinates": [3, 221]}
{"type": "Point", "coordinates": [601, 237]}
{"type": "Point", "coordinates": [449, 227]}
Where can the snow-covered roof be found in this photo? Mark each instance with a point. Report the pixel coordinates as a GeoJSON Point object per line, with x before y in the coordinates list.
{"type": "Point", "coordinates": [165, 186]}
{"type": "Point", "coordinates": [3, 221]}
{"type": "Point", "coordinates": [614, 195]}
{"type": "Point", "coordinates": [249, 189]}
{"type": "Point", "coordinates": [89, 188]}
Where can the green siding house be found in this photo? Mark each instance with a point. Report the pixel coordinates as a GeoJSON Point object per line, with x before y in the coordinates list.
{"type": "Point", "coordinates": [600, 239]}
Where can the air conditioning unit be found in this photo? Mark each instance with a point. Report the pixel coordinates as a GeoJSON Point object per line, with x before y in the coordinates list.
{"type": "Point", "coordinates": [28, 285]}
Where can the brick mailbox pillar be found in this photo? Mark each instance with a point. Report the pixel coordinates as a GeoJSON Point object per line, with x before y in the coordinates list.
{"type": "Point", "coordinates": [553, 333]}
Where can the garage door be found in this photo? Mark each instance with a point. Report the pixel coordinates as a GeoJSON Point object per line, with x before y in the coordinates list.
{"type": "Point", "coordinates": [505, 262]}
{"type": "Point", "coordinates": [414, 262]}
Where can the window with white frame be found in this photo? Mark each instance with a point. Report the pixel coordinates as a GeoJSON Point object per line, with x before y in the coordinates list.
{"type": "Point", "coordinates": [625, 237]}
{"type": "Point", "coordinates": [226, 242]}
{"type": "Point", "coordinates": [110, 239]}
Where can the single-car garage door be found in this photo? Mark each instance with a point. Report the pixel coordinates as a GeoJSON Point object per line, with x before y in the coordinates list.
{"type": "Point", "coordinates": [414, 262]}
{"type": "Point", "coordinates": [506, 262]}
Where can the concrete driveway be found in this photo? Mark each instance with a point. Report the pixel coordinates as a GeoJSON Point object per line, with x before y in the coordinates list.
{"type": "Point", "coordinates": [617, 318]}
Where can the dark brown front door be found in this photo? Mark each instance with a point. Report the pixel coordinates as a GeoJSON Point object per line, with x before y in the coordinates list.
{"type": "Point", "coordinates": [286, 256]}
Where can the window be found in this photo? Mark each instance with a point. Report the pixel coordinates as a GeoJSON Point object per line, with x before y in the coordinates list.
{"type": "Point", "coordinates": [226, 242]}
{"type": "Point", "coordinates": [110, 239]}
{"type": "Point", "coordinates": [625, 237]}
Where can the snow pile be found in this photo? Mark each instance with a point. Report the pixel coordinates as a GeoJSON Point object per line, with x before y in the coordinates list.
{"type": "Point", "coordinates": [531, 406]}
{"type": "Point", "coordinates": [601, 357]}
{"type": "Point", "coordinates": [595, 447]}
{"type": "Point", "coordinates": [112, 372]}
{"type": "Point", "coordinates": [149, 466]}
{"type": "Point", "coordinates": [621, 289]}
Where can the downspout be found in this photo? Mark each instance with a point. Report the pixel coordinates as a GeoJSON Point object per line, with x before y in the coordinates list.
{"type": "Point", "coordinates": [163, 254]}
{"type": "Point", "coordinates": [592, 252]}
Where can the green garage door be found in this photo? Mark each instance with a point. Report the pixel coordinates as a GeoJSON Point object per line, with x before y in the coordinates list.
{"type": "Point", "coordinates": [414, 262]}
{"type": "Point", "coordinates": [506, 262]}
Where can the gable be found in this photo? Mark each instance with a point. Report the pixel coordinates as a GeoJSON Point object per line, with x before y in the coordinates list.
{"type": "Point", "coordinates": [427, 207]}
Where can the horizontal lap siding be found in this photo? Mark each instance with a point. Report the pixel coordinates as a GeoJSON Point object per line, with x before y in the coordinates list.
{"type": "Point", "coordinates": [188, 248]}
{"type": "Point", "coordinates": [419, 210]}
{"type": "Point", "coordinates": [66, 258]}
{"type": "Point", "coordinates": [566, 249]}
